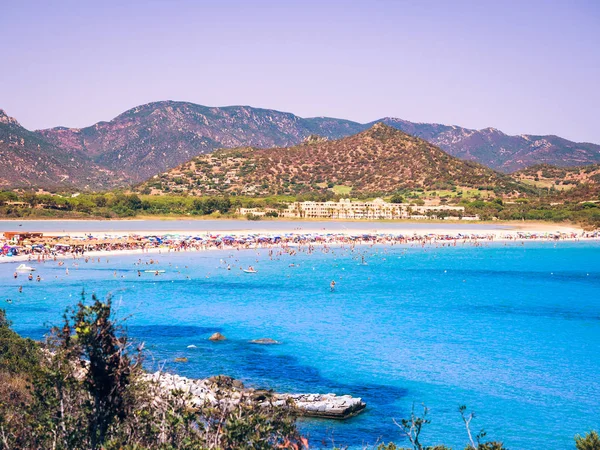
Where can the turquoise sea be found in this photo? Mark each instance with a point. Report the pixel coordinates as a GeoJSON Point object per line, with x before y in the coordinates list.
{"type": "Point", "coordinates": [512, 331]}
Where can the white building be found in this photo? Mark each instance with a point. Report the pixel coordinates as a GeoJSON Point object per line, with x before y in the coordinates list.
{"type": "Point", "coordinates": [373, 210]}
{"type": "Point", "coordinates": [377, 209]}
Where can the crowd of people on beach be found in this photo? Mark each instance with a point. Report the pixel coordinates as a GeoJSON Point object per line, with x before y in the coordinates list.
{"type": "Point", "coordinates": [78, 247]}
{"type": "Point", "coordinates": [93, 250]}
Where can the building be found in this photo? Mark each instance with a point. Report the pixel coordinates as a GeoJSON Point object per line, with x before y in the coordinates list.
{"type": "Point", "coordinates": [19, 236]}
{"type": "Point", "coordinates": [255, 211]}
{"type": "Point", "coordinates": [374, 210]}
{"type": "Point", "coordinates": [377, 209]}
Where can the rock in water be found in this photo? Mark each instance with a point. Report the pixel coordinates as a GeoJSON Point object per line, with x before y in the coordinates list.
{"type": "Point", "coordinates": [226, 390]}
{"type": "Point", "coordinates": [217, 337]}
{"type": "Point", "coordinates": [181, 360]}
{"type": "Point", "coordinates": [265, 341]}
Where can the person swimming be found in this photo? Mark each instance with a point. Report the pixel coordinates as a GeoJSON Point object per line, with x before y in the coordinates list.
{"type": "Point", "coordinates": [332, 285]}
{"type": "Point", "coordinates": [30, 277]}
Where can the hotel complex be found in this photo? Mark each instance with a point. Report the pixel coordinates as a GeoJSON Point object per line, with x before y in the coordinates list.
{"type": "Point", "coordinates": [374, 210]}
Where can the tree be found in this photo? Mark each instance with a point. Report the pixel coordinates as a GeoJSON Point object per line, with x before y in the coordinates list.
{"type": "Point", "coordinates": [413, 426]}
{"type": "Point", "coordinates": [133, 202]}
{"type": "Point", "coordinates": [490, 445]}
{"type": "Point", "coordinates": [397, 198]}
{"type": "Point", "coordinates": [88, 391]}
{"type": "Point", "coordinates": [92, 336]}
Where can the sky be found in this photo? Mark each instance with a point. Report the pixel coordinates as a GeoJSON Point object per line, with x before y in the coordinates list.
{"type": "Point", "coordinates": [525, 66]}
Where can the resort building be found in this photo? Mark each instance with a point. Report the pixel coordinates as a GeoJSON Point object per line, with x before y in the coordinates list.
{"type": "Point", "coordinates": [377, 209]}
{"type": "Point", "coordinates": [257, 211]}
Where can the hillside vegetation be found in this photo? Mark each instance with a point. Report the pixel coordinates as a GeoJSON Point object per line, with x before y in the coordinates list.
{"type": "Point", "coordinates": [564, 183]}
{"type": "Point", "coordinates": [29, 160]}
{"type": "Point", "coordinates": [381, 159]}
{"type": "Point", "coordinates": [152, 138]}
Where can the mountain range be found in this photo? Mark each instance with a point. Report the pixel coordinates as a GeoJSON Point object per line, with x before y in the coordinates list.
{"type": "Point", "coordinates": [30, 160]}
{"type": "Point", "coordinates": [153, 138]}
{"type": "Point", "coordinates": [381, 159]}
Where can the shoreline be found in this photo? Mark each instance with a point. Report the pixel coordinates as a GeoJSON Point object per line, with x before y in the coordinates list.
{"type": "Point", "coordinates": [200, 391]}
{"type": "Point", "coordinates": [434, 226]}
{"type": "Point", "coordinates": [102, 244]}
{"type": "Point", "coordinates": [208, 218]}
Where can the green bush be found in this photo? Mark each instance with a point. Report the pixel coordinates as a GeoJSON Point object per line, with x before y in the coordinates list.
{"type": "Point", "coordinates": [591, 441]}
{"type": "Point", "coordinates": [17, 355]}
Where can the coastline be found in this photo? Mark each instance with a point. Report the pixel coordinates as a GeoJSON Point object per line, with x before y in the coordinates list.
{"type": "Point", "coordinates": [237, 218]}
{"type": "Point", "coordinates": [370, 225]}
{"type": "Point", "coordinates": [178, 240]}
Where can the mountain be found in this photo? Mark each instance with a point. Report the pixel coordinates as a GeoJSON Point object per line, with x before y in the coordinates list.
{"type": "Point", "coordinates": [155, 137]}
{"type": "Point", "coordinates": [29, 160]}
{"type": "Point", "coordinates": [380, 159]}
{"type": "Point", "coordinates": [152, 138]}
{"type": "Point", "coordinates": [500, 151]}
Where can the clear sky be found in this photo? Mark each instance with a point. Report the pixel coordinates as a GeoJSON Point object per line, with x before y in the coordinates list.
{"type": "Point", "coordinates": [523, 66]}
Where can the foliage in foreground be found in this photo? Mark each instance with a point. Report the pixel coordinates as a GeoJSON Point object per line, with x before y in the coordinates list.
{"type": "Point", "coordinates": [591, 441]}
{"type": "Point", "coordinates": [84, 388]}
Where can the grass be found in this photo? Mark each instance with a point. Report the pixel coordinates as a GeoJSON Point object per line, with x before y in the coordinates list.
{"type": "Point", "coordinates": [340, 189]}
{"type": "Point", "coordinates": [546, 184]}
{"type": "Point", "coordinates": [467, 193]}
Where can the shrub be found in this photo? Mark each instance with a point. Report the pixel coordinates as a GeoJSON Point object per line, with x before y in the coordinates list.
{"type": "Point", "coordinates": [591, 441]}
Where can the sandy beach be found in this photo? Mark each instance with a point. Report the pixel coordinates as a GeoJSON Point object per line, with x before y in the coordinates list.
{"type": "Point", "coordinates": [137, 242]}
{"type": "Point", "coordinates": [407, 228]}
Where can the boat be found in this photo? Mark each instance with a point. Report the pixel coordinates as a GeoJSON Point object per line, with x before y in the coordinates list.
{"type": "Point", "coordinates": [154, 271]}
{"type": "Point", "coordinates": [25, 267]}
{"type": "Point", "coordinates": [250, 271]}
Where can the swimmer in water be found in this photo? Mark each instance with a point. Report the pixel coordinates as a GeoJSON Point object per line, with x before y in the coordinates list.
{"type": "Point", "coordinates": [30, 277]}
{"type": "Point", "coordinates": [332, 285]}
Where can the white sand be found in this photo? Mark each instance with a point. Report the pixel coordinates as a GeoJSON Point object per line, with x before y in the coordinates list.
{"type": "Point", "coordinates": [507, 232]}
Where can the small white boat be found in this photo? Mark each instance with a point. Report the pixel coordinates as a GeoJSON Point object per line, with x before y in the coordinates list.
{"type": "Point", "coordinates": [154, 271]}
{"type": "Point", "coordinates": [250, 271]}
{"type": "Point", "coordinates": [25, 267]}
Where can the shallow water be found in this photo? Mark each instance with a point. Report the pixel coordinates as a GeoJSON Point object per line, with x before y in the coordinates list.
{"type": "Point", "coordinates": [511, 331]}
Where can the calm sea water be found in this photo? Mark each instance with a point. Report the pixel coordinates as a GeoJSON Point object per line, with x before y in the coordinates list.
{"type": "Point", "coordinates": [511, 331]}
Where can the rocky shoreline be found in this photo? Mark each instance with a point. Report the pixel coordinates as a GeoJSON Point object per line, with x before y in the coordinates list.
{"type": "Point", "coordinates": [210, 390]}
